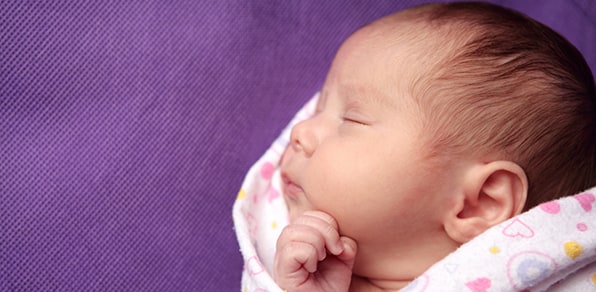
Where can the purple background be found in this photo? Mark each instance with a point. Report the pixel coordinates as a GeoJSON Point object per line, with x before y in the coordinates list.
{"type": "Point", "coordinates": [126, 128]}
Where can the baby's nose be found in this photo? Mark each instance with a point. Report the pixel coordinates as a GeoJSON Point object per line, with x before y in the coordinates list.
{"type": "Point", "coordinates": [303, 138]}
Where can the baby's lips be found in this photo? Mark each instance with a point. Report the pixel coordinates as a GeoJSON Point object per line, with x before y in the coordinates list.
{"type": "Point", "coordinates": [291, 189]}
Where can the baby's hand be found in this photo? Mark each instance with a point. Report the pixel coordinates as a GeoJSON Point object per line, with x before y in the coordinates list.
{"type": "Point", "coordinates": [312, 256]}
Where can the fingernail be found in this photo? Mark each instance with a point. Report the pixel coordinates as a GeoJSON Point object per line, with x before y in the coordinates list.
{"type": "Point", "coordinates": [348, 244]}
{"type": "Point", "coordinates": [339, 247]}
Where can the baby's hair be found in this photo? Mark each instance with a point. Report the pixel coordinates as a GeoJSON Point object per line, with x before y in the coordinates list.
{"type": "Point", "coordinates": [509, 87]}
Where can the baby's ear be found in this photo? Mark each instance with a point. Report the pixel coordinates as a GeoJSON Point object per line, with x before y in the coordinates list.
{"type": "Point", "coordinates": [492, 193]}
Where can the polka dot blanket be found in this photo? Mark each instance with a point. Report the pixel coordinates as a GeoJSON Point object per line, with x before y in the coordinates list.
{"type": "Point", "coordinates": [551, 247]}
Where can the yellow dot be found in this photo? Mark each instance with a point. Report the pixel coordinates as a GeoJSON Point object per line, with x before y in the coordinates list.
{"type": "Point", "coordinates": [241, 194]}
{"type": "Point", "coordinates": [274, 225]}
{"type": "Point", "coordinates": [494, 250]}
{"type": "Point", "coordinates": [594, 279]}
{"type": "Point", "coordinates": [572, 249]}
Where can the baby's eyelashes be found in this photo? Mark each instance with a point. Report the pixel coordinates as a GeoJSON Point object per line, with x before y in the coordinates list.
{"type": "Point", "coordinates": [356, 118]}
{"type": "Point", "coordinates": [353, 120]}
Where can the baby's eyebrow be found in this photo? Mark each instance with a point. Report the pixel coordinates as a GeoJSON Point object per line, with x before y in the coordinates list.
{"type": "Point", "coordinates": [358, 95]}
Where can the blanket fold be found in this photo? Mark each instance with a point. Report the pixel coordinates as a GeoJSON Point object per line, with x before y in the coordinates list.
{"type": "Point", "coordinates": [550, 247]}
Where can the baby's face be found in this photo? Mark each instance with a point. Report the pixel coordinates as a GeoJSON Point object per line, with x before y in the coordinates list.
{"type": "Point", "coordinates": [359, 158]}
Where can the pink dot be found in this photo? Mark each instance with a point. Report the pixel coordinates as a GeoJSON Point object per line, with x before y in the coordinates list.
{"type": "Point", "coordinates": [273, 194]}
{"type": "Point", "coordinates": [582, 227]}
{"type": "Point", "coordinates": [267, 170]}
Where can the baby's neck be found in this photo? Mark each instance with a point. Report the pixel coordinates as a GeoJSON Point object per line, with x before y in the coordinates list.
{"type": "Point", "coordinates": [390, 268]}
{"type": "Point", "coordinates": [359, 284]}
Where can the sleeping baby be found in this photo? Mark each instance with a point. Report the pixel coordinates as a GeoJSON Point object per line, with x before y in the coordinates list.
{"type": "Point", "coordinates": [435, 129]}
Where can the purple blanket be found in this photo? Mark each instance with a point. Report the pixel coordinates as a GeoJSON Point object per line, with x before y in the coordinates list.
{"type": "Point", "coordinates": [126, 128]}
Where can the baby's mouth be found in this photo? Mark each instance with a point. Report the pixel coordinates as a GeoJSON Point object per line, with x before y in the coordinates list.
{"type": "Point", "coordinates": [290, 188]}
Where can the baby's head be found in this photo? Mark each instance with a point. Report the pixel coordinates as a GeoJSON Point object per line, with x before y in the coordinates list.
{"type": "Point", "coordinates": [509, 88]}
{"type": "Point", "coordinates": [436, 123]}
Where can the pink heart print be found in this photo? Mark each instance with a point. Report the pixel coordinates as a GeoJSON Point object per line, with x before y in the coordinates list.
{"type": "Point", "coordinates": [550, 207]}
{"type": "Point", "coordinates": [254, 266]}
{"type": "Point", "coordinates": [585, 200]}
{"type": "Point", "coordinates": [518, 228]}
{"type": "Point", "coordinates": [479, 285]}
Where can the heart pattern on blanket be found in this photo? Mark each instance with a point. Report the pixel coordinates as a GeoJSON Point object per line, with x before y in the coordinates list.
{"type": "Point", "coordinates": [451, 267]}
{"type": "Point", "coordinates": [479, 285]}
{"type": "Point", "coordinates": [254, 266]}
{"type": "Point", "coordinates": [585, 200]}
{"type": "Point", "coordinates": [518, 229]}
{"type": "Point", "coordinates": [550, 207]}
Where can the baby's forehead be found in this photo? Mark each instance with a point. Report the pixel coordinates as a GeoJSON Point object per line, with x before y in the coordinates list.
{"type": "Point", "coordinates": [401, 54]}
{"type": "Point", "coordinates": [412, 39]}
{"type": "Point", "coordinates": [401, 49]}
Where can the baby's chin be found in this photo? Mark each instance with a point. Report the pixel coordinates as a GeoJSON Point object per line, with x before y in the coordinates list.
{"type": "Point", "coordinates": [294, 211]}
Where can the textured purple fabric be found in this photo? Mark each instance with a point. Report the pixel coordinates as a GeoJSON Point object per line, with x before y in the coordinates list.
{"type": "Point", "coordinates": [126, 128]}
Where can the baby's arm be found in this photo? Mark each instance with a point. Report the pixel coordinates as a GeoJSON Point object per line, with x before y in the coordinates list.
{"type": "Point", "coordinates": [312, 256]}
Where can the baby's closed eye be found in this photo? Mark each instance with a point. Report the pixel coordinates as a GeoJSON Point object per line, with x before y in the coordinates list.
{"type": "Point", "coordinates": [354, 117]}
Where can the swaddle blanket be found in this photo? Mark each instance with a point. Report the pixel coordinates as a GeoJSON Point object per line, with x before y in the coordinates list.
{"type": "Point", "coordinates": [551, 247]}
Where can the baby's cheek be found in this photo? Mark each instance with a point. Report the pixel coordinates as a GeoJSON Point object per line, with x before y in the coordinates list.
{"type": "Point", "coordinates": [292, 213]}
{"type": "Point", "coordinates": [284, 156]}
{"type": "Point", "coordinates": [297, 207]}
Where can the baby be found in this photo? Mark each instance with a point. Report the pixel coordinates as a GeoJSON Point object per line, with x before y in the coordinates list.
{"type": "Point", "coordinates": [433, 125]}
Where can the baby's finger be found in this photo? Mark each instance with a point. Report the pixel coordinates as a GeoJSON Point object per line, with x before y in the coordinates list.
{"type": "Point", "coordinates": [350, 249]}
{"type": "Point", "coordinates": [303, 234]}
{"type": "Point", "coordinates": [326, 226]}
{"type": "Point", "coordinates": [294, 262]}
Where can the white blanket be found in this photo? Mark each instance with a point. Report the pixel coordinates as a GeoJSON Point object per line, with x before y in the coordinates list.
{"type": "Point", "coordinates": [551, 247]}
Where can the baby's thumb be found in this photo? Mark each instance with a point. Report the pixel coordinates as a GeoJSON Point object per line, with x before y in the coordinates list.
{"type": "Point", "coordinates": [349, 253]}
